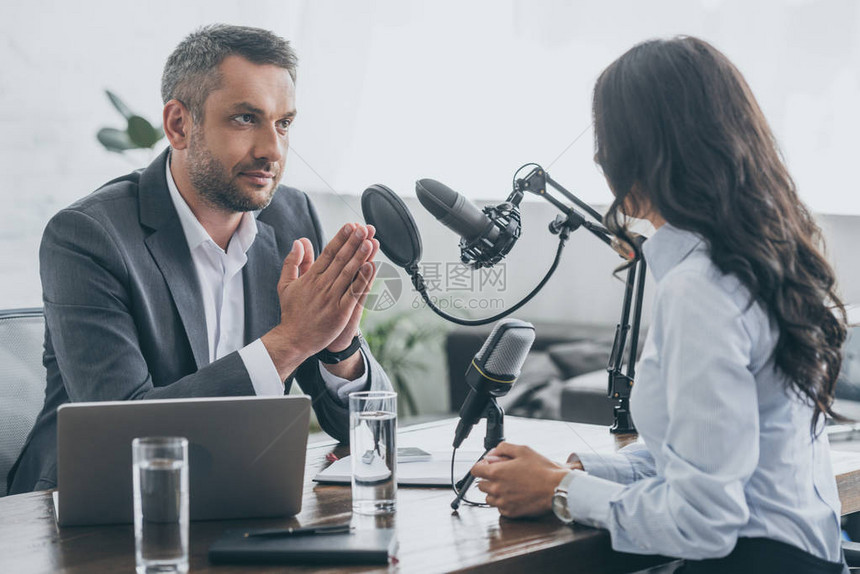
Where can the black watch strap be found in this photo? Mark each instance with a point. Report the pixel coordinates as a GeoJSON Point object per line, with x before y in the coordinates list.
{"type": "Point", "coordinates": [331, 358]}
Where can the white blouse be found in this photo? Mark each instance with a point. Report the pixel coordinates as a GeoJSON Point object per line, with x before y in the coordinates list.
{"type": "Point", "coordinates": [727, 450]}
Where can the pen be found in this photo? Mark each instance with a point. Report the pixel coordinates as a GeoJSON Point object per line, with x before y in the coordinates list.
{"type": "Point", "coordinates": [301, 531]}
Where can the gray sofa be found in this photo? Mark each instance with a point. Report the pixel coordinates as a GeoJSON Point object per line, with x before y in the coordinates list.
{"type": "Point", "coordinates": [565, 378]}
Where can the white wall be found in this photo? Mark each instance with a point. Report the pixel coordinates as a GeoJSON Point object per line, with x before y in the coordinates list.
{"type": "Point", "coordinates": [394, 90]}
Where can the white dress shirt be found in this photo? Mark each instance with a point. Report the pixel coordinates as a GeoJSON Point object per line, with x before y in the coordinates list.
{"type": "Point", "coordinates": [222, 290]}
{"type": "Point", "coordinates": [727, 448]}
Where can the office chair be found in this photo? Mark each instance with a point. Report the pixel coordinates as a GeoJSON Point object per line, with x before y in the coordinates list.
{"type": "Point", "coordinates": [22, 381]}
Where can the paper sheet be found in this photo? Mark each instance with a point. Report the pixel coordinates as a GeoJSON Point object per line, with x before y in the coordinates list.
{"type": "Point", "coordinates": [434, 472]}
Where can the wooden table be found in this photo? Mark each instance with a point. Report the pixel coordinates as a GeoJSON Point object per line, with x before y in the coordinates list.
{"type": "Point", "coordinates": [431, 537]}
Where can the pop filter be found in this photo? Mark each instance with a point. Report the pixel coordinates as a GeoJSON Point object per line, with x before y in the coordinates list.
{"type": "Point", "coordinates": [400, 241]}
{"type": "Point", "coordinates": [396, 231]}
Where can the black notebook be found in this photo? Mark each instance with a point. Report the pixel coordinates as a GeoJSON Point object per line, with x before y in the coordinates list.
{"type": "Point", "coordinates": [358, 547]}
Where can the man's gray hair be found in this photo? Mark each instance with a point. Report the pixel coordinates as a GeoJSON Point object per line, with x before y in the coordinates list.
{"type": "Point", "coordinates": [191, 71]}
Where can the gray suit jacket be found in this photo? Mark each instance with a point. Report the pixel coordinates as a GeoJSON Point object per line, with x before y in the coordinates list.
{"type": "Point", "coordinates": [123, 313]}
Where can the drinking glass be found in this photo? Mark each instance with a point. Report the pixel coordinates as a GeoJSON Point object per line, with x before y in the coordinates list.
{"type": "Point", "coordinates": [160, 475]}
{"type": "Point", "coordinates": [373, 447]}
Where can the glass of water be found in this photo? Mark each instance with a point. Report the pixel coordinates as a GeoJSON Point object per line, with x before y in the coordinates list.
{"type": "Point", "coordinates": [160, 475]}
{"type": "Point", "coordinates": [373, 448]}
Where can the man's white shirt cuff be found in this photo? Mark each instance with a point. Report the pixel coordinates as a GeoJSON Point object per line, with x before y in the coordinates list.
{"type": "Point", "coordinates": [267, 382]}
{"type": "Point", "coordinates": [340, 387]}
{"type": "Point", "coordinates": [261, 369]}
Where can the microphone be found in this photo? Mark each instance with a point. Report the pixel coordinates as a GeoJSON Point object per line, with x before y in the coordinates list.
{"type": "Point", "coordinates": [400, 240]}
{"type": "Point", "coordinates": [493, 371]}
{"type": "Point", "coordinates": [454, 211]}
{"type": "Point", "coordinates": [487, 235]}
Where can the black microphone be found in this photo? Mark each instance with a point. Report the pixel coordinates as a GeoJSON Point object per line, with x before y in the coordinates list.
{"type": "Point", "coordinates": [493, 371]}
{"type": "Point", "coordinates": [454, 211]}
{"type": "Point", "coordinates": [486, 236]}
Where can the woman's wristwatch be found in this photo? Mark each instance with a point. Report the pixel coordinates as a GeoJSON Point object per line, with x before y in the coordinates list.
{"type": "Point", "coordinates": [559, 499]}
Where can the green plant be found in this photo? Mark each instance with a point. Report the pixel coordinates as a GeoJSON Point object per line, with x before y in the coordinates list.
{"type": "Point", "coordinates": [138, 133]}
{"type": "Point", "coordinates": [394, 342]}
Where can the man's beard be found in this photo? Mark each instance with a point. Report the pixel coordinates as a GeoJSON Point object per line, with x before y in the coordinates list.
{"type": "Point", "coordinates": [216, 187]}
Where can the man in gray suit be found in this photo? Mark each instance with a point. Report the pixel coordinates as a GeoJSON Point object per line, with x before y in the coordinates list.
{"type": "Point", "coordinates": [200, 275]}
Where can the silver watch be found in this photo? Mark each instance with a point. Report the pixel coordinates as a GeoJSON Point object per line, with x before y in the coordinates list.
{"type": "Point", "coordinates": [559, 499]}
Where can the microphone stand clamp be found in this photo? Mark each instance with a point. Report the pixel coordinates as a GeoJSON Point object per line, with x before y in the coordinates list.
{"type": "Point", "coordinates": [495, 434]}
{"type": "Point", "coordinates": [480, 251]}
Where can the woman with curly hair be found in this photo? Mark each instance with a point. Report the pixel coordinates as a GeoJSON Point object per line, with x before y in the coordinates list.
{"type": "Point", "coordinates": [737, 375]}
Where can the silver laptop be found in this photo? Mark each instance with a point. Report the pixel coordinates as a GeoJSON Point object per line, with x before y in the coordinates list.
{"type": "Point", "coordinates": [246, 455]}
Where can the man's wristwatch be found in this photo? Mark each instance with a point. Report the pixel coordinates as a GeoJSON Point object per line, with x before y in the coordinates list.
{"type": "Point", "coordinates": [332, 358]}
{"type": "Point", "coordinates": [559, 499]}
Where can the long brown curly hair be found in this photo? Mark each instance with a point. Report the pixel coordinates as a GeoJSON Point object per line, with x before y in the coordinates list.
{"type": "Point", "coordinates": [677, 130]}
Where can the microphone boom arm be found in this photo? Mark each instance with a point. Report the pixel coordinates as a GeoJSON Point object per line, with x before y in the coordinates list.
{"type": "Point", "coordinates": [536, 181]}
{"type": "Point", "coordinates": [620, 383]}
{"type": "Point", "coordinates": [506, 218]}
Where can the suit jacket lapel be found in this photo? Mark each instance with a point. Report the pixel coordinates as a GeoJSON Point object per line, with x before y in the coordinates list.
{"type": "Point", "coordinates": [169, 249]}
{"type": "Point", "coordinates": [260, 276]}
